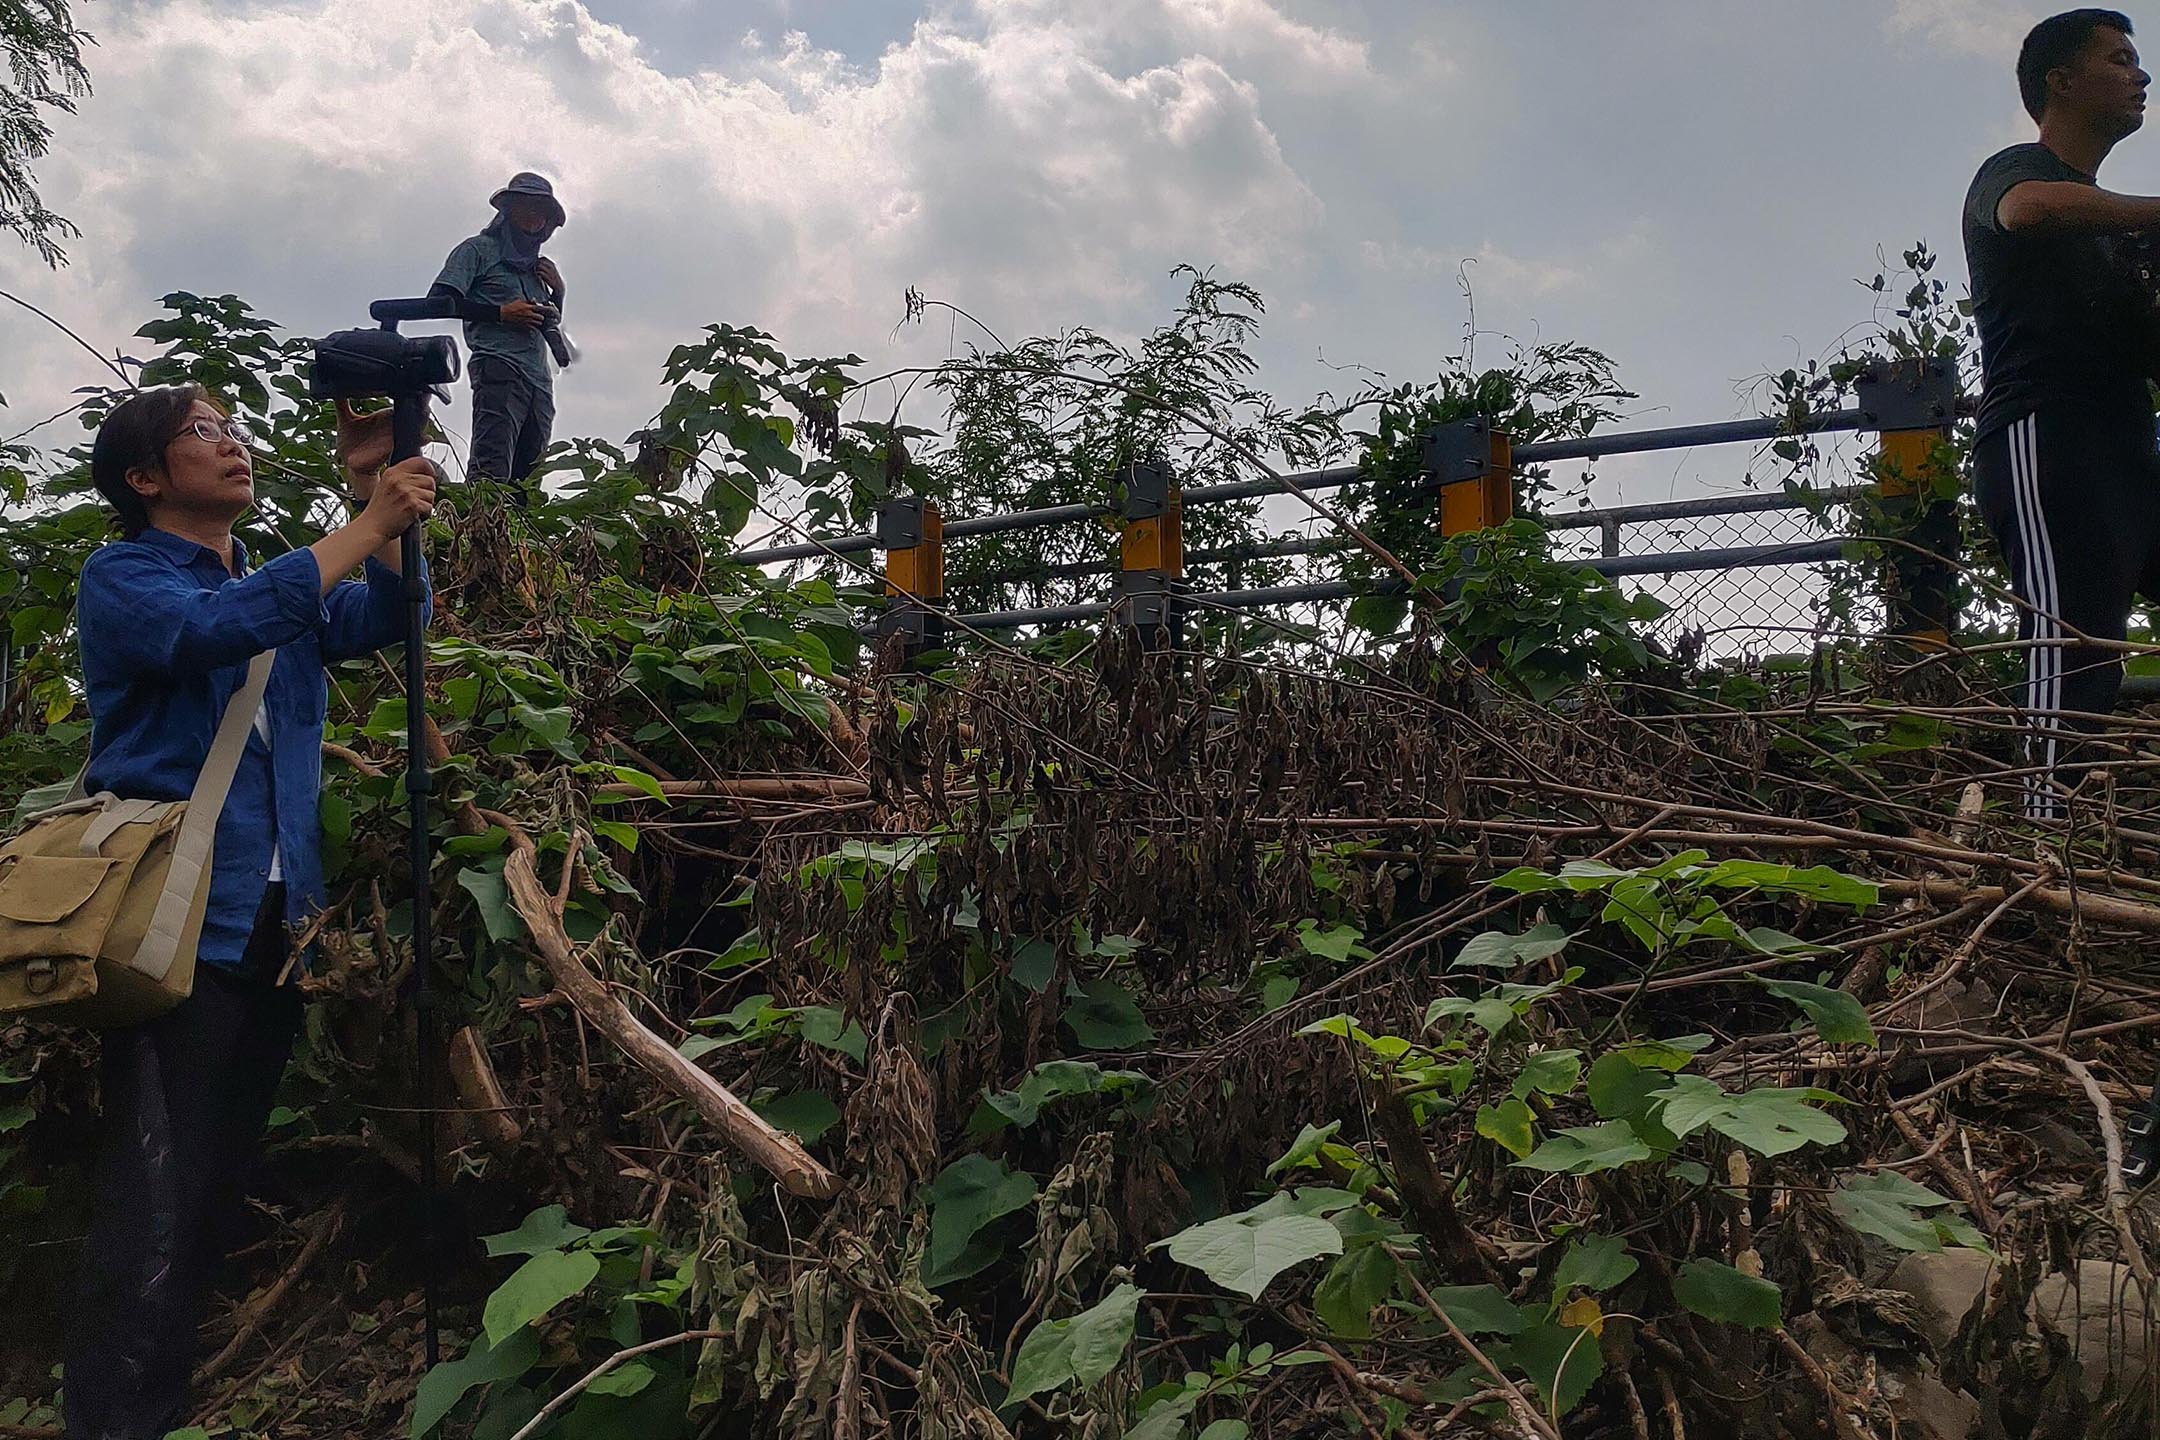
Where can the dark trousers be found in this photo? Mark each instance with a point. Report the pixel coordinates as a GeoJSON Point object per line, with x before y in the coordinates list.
{"type": "Point", "coordinates": [511, 423]}
{"type": "Point", "coordinates": [185, 1099]}
{"type": "Point", "coordinates": [2074, 499]}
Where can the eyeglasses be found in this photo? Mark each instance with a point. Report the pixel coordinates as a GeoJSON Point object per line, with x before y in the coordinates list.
{"type": "Point", "coordinates": [210, 432]}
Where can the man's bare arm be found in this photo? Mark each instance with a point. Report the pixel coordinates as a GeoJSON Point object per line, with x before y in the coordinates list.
{"type": "Point", "coordinates": [2068, 205]}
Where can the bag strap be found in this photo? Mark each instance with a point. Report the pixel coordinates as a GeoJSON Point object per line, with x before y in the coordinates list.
{"type": "Point", "coordinates": [198, 824]}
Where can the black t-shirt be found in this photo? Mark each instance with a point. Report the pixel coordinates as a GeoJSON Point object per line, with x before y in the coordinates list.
{"type": "Point", "coordinates": [2063, 318]}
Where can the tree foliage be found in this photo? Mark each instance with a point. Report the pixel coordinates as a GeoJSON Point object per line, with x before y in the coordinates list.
{"type": "Point", "coordinates": [45, 72]}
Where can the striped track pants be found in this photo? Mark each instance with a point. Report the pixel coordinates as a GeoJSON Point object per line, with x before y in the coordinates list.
{"type": "Point", "coordinates": [2074, 500]}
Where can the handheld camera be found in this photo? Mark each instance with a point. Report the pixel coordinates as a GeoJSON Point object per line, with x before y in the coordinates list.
{"type": "Point", "coordinates": [559, 343]}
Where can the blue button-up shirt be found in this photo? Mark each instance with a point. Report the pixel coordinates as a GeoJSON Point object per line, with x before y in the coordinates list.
{"type": "Point", "coordinates": [166, 635]}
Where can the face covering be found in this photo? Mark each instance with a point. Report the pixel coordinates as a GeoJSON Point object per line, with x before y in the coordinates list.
{"type": "Point", "coordinates": [520, 250]}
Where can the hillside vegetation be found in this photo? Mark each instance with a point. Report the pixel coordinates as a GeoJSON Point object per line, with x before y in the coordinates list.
{"type": "Point", "coordinates": [1463, 1016]}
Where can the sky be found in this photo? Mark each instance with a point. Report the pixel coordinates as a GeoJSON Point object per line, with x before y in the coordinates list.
{"type": "Point", "coordinates": [1695, 187]}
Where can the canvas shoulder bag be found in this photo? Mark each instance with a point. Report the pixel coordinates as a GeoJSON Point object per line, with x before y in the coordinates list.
{"type": "Point", "coordinates": [102, 899]}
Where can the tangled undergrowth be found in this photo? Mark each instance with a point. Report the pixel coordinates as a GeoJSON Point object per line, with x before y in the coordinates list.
{"type": "Point", "coordinates": [1260, 1039]}
{"type": "Point", "coordinates": [1200, 1046]}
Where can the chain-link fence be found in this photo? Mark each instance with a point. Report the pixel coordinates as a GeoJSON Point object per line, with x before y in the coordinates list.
{"type": "Point", "coordinates": [1740, 609]}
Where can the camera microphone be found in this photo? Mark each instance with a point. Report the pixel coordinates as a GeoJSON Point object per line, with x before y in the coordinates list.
{"type": "Point", "coordinates": [432, 307]}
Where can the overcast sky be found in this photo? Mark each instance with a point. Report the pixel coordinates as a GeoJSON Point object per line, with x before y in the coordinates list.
{"type": "Point", "coordinates": [1691, 185]}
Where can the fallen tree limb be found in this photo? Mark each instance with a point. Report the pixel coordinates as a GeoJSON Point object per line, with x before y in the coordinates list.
{"type": "Point", "coordinates": [783, 787]}
{"type": "Point", "coordinates": [777, 1152]}
{"type": "Point", "coordinates": [2095, 909]}
{"type": "Point", "coordinates": [2118, 1194]}
{"type": "Point", "coordinates": [353, 758]}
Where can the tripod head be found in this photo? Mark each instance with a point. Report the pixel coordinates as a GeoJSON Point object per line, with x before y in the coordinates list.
{"type": "Point", "coordinates": [352, 364]}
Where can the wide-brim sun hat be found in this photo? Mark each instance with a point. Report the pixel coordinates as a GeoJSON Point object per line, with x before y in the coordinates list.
{"type": "Point", "coordinates": [525, 182]}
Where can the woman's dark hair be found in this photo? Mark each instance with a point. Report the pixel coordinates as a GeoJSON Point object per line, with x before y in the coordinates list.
{"type": "Point", "coordinates": [2056, 42]}
{"type": "Point", "coordinates": [134, 436]}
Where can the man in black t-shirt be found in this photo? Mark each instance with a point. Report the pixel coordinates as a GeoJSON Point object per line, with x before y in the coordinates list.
{"type": "Point", "coordinates": [2064, 464]}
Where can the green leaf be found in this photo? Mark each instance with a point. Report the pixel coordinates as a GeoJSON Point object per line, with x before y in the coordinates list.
{"type": "Point", "coordinates": [1563, 1362]}
{"type": "Point", "coordinates": [1488, 1012]}
{"type": "Point", "coordinates": [1334, 943]}
{"type": "Point", "coordinates": [1588, 1149]}
{"type": "Point", "coordinates": [1595, 1263]}
{"type": "Point", "coordinates": [537, 1286]}
{"type": "Point", "coordinates": [1226, 1430]}
{"type": "Point", "coordinates": [1165, 1420]}
{"type": "Point", "coordinates": [1591, 875]}
{"type": "Point", "coordinates": [1768, 1120]}
{"type": "Point", "coordinates": [1500, 950]}
{"type": "Point", "coordinates": [1892, 1208]}
{"type": "Point", "coordinates": [1839, 1017]}
{"type": "Point", "coordinates": [1305, 1149]}
{"type": "Point", "coordinates": [1508, 1125]}
{"type": "Point", "coordinates": [627, 1378]}
{"type": "Point", "coordinates": [551, 727]}
{"type": "Point", "coordinates": [1548, 1072]}
{"type": "Point", "coordinates": [1480, 1309]}
{"type": "Point", "coordinates": [1242, 1254]}
{"type": "Point", "coordinates": [1817, 882]}
{"type": "Point", "coordinates": [1051, 1081]}
{"type": "Point", "coordinates": [337, 816]}
{"type": "Point", "coordinates": [1765, 941]}
{"type": "Point", "coordinates": [442, 1387]}
{"type": "Point", "coordinates": [1527, 880]}
{"type": "Point", "coordinates": [825, 1026]}
{"type": "Point", "coordinates": [620, 833]}
{"type": "Point", "coordinates": [1690, 1102]}
{"type": "Point", "coordinates": [1619, 1089]}
{"type": "Point", "coordinates": [972, 1192]}
{"type": "Point", "coordinates": [1102, 1016]}
{"type": "Point", "coordinates": [1673, 1054]}
{"type": "Point", "coordinates": [1079, 1350]}
{"type": "Point", "coordinates": [548, 1228]}
{"type": "Point", "coordinates": [1034, 965]}
{"type": "Point", "coordinates": [1716, 1291]}
{"type": "Point", "coordinates": [1772, 1121]}
{"type": "Point", "coordinates": [1345, 1297]}
{"type": "Point", "coordinates": [806, 1114]}
{"type": "Point", "coordinates": [492, 895]}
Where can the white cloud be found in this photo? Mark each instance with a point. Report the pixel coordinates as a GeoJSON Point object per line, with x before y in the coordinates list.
{"type": "Point", "coordinates": [1977, 27]}
{"type": "Point", "coordinates": [310, 157]}
{"type": "Point", "coordinates": [1514, 277]}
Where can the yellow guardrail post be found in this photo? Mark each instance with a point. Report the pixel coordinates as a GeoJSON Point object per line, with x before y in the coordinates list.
{"type": "Point", "coordinates": [911, 531]}
{"type": "Point", "coordinates": [1151, 555]}
{"type": "Point", "coordinates": [1472, 465]}
{"type": "Point", "coordinates": [1912, 404]}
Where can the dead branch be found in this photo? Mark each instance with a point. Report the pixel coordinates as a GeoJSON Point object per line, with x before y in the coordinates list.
{"type": "Point", "coordinates": [482, 1092]}
{"type": "Point", "coordinates": [778, 787]}
{"type": "Point", "coordinates": [776, 1151]}
{"type": "Point", "coordinates": [555, 1406]}
{"type": "Point", "coordinates": [252, 1316]}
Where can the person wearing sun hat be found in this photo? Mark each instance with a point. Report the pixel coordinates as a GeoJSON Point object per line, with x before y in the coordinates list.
{"type": "Point", "coordinates": [502, 282]}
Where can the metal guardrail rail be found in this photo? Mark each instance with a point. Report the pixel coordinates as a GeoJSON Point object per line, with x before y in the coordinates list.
{"type": "Point", "coordinates": [1470, 470]}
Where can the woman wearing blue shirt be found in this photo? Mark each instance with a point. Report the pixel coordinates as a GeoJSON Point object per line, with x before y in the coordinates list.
{"type": "Point", "coordinates": [168, 619]}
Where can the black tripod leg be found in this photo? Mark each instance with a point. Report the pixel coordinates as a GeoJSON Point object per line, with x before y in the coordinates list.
{"type": "Point", "coordinates": [408, 418]}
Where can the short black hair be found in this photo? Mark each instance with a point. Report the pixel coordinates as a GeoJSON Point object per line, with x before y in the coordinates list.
{"type": "Point", "coordinates": [133, 436]}
{"type": "Point", "coordinates": [2056, 42]}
